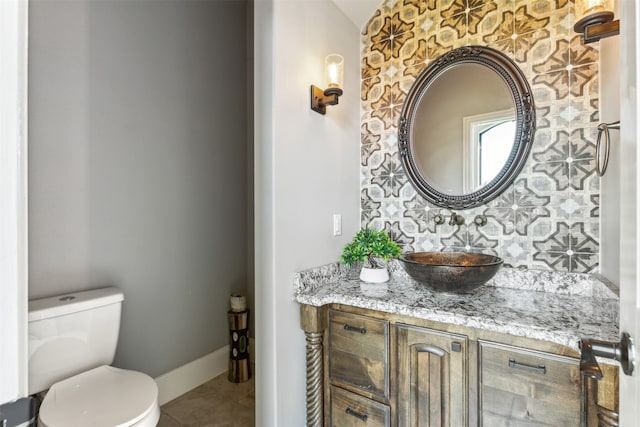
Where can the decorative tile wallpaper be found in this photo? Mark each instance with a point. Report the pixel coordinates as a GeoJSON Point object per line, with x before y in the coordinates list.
{"type": "Point", "coordinates": [549, 217]}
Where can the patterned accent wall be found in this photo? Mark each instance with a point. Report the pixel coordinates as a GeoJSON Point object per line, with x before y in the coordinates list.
{"type": "Point", "coordinates": [549, 217]}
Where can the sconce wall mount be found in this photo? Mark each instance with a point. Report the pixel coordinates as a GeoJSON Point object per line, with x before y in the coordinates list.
{"type": "Point", "coordinates": [321, 98]}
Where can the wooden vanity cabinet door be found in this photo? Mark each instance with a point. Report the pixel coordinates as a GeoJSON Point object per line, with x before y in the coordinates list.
{"type": "Point", "coordinates": [432, 378]}
{"type": "Point", "coordinates": [521, 387]}
{"type": "Point", "coordinates": [359, 354]}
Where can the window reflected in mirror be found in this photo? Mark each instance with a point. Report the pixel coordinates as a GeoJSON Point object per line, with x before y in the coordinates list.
{"type": "Point", "coordinates": [487, 143]}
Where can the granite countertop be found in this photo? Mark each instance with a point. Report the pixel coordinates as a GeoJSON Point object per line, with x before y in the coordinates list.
{"type": "Point", "coordinates": [551, 306]}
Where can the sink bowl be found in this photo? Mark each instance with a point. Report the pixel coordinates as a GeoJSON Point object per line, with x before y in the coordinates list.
{"type": "Point", "coordinates": [451, 271]}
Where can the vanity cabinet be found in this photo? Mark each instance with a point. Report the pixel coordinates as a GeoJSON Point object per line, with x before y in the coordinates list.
{"type": "Point", "coordinates": [371, 368]}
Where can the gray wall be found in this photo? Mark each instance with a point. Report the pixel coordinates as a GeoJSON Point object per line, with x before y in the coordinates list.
{"type": "Point", "coordinates": [138, 166]}
{"type": "Point", "coordinates": [306, 170]}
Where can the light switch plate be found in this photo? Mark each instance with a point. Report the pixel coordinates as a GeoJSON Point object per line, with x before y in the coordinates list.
{"type": "Point", "coordinates": [337, 225]}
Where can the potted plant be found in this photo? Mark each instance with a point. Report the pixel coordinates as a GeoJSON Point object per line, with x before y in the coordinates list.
{"type": "Point", "coordinates": [367, 246]}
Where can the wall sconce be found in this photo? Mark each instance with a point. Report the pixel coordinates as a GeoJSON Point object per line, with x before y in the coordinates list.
{"type": "Point", "coordinates": [333, 73]}
{"type": "Point", "coordinates": [595, 20]}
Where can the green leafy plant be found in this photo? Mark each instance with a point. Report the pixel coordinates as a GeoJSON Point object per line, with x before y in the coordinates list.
{"type": "Point", "coordinates": [367, 245]}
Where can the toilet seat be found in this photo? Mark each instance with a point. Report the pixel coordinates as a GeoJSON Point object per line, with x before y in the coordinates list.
{"type": "Point", "coordinates": [102, 397]}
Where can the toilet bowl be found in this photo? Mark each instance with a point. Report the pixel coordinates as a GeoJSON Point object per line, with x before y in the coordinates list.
{"type": "Point", "coordinates": [72, 342]}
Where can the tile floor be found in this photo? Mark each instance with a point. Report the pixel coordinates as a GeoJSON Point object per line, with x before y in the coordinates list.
{"type": "Point", "coordinates": [218, 403]}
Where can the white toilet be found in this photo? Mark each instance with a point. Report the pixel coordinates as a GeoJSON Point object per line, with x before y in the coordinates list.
{"type": "Point", "coordinates": [72, 342]}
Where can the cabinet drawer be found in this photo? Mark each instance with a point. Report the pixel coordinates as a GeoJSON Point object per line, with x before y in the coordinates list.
{"type": "Point", "coordinates": [351, 410]}
{"type": "Point", "coordinates": [525, 387]}
{"type": "Point", "coordinates": [359, 353]}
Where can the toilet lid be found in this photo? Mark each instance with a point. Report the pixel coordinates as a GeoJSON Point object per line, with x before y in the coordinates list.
{"type": "Point", "coordinates": [102, 397]}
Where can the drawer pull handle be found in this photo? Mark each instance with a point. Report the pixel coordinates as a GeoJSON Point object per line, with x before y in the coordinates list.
{"type": "Point", "coordinates": [348, 327]}
{"type": "Point", "coordinates": [363, 417]}
{"type": "Point", "coordinates": [541, 369]}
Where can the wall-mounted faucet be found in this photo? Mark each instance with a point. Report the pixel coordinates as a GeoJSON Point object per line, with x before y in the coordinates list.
{"type": "Point", "coordinates": [456, 219]}
{"type": "Point", "coordinates": [622, 351]}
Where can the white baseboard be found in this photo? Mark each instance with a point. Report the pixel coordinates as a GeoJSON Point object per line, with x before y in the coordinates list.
{"type": "Point", "coordinates": [187, 377]}
{"type": "Point", "coordinates": [177, 382]}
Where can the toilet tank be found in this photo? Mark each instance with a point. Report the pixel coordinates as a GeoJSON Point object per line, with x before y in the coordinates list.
{"type": "Point", "coordinates": [72, 333]}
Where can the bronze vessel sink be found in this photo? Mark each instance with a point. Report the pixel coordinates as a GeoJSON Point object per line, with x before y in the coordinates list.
{"type": "Point", "coordinates": [451, 271]}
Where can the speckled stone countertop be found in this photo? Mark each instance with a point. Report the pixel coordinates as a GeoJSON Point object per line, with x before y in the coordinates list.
{"type": "Point", "coordinates": [545, 305]}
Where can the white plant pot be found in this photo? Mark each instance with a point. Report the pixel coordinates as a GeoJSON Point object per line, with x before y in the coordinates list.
{"type": "Point", "coordinates": [374, 275]}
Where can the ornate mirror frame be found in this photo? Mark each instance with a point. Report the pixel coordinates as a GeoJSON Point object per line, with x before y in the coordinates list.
{"type": "Point", "coordinates": [525, 125]}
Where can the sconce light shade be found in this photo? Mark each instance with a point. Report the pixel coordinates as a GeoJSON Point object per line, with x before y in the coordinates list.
{"type": "Point", "coordinates": [334, 70]}
{"type": "Point", "coordinates": [333, 74]}
{"type": "Point", "coordinates": [594, 19]}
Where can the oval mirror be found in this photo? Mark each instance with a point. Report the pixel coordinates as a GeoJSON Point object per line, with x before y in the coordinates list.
{"type": "Point", "coordinates": [466, 127]}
